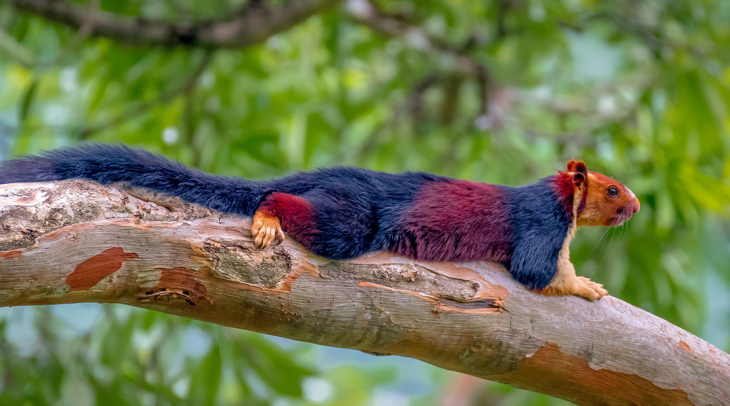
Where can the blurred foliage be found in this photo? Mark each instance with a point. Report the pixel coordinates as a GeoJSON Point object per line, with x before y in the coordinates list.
{"type": "Point", "coordinates": [500, 91]}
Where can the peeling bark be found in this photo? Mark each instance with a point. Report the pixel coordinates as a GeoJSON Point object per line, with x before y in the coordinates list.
{"type": "Point", "coordinates": [76, 241]}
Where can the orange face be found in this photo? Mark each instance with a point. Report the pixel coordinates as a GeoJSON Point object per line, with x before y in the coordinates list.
{"type": "Point", "coordinates": [607, 201]}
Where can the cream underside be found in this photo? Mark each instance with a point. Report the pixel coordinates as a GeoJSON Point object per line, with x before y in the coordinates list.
{"type": "Point", "coordinates": [565, 276]}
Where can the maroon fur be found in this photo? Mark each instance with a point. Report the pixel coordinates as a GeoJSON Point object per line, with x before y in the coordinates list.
{"type": "Point", "coordinates": [296, 215]}
{"type": "Point", "coordinates": [562, 184]}
{"type": "Point", "coordinates": [457, 221]}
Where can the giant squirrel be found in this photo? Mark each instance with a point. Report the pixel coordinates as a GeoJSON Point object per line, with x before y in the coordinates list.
{"type": "Point", "coordinates": [345, 212]}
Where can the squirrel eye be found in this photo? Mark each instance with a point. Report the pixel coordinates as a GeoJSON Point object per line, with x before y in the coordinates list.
{"type": "Point", "coordinates": [612, 191]}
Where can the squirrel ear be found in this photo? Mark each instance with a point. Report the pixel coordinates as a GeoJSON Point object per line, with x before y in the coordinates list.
{"type": "Point", "coordinates": [579, 171]}
{"type": "Point", "coordinates": [571, 165]}
{"type": "Point", "coordinates": [578, 178]}
{"type": "Point", "coordinates": [577, 166]}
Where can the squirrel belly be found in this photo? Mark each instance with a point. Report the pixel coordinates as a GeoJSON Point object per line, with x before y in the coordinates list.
{"type": "Point", "coordinates": [345, 212]}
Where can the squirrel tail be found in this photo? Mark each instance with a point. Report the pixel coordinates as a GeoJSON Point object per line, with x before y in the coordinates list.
{"type": "Point", "coordinates": [108, 164]}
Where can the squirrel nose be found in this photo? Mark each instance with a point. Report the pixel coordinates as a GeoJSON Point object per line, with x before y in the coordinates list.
{"type": "Point", "coordinates": [635, 206]}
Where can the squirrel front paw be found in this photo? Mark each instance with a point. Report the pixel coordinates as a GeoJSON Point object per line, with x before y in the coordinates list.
{"type": "Point", "coordinates": [589, 289]}
{"type": "Point", "coordinates": [265, 230]}
{"type": "Point", "coordinates": [577, 286]}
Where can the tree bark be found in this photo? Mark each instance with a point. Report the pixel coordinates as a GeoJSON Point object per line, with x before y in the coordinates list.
{"type": "Point", "coordinates": [250, 26]}
{"type": "Point", "coordinates": [77, 241]}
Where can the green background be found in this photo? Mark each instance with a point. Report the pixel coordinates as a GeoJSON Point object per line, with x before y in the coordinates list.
{"type": "Point", "coordinates": [502, 91]}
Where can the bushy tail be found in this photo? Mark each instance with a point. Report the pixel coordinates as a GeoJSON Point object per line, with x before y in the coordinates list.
{"type": "Point", "coordinates": [117, 163]}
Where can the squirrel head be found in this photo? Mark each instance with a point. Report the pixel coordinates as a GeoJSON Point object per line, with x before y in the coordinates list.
{"type": "Point", "coordinates": [597, 199]}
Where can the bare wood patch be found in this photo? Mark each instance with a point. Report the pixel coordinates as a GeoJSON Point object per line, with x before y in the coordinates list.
{"type": "Point", "coordinates": [554, 368]}
{"type": "Point", "coordinates": [90, 272]}
{"type": "Point", "coordinates": [11, 254]}
{"type": "Point", "coordinates": [177, 284]}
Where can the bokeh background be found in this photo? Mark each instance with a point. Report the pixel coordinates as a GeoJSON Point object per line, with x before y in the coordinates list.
{"type": "Point", "coordinates": [501, 91]}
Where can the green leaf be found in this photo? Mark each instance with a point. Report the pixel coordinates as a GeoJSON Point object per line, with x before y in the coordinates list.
{"type": "Point", "coordinates": [275, 366]}
{"type": "Point", "coordinates": [27, 100]}
{"type": "Point", "coordinates": [697, 116]}
{"type": "Point", "coordinates": [99, 92]}
{"type": "Point", "coordinates": [206, 378]}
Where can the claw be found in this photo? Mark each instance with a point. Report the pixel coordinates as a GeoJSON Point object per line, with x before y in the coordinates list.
{"type": "Point", "coordinates": [578, 286]}
{"type": "Point", "coordinates": [265, 230]}
{"type": "Point", "coordinates": [591, 290]}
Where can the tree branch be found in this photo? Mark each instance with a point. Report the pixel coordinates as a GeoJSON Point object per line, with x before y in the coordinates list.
{"type": "Point", "coordinates": [367, 13]}
{"type": "Point", "coordinates": [390, 26]}
{"type": "Point", "coordinates": [252, 27]}
{"type": "Point", "coordinates": [76, 241]}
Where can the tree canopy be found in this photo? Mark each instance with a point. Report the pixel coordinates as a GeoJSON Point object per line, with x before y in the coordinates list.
{"type": "Point", "coordinates": [502, 91]}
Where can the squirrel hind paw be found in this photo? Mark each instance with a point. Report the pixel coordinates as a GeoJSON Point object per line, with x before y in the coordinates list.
{"type": "Point", "coordinates": [266, 230]}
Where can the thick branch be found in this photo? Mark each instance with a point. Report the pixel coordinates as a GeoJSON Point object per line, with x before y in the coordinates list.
{"type": "Point", "coordinates": [76, 241]}
{"type": "Point", "coordinates": [252, 27]}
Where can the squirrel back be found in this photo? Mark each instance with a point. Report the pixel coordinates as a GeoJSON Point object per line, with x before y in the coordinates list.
{"type": "Point", "coordinates": [344, 212]}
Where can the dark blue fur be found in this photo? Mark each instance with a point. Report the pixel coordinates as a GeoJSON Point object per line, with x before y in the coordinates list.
{"type": "Point", "coordinates": [108, 164]}
{"type": "Point", "coordinates": [356, 210]}
{"type": "Point", "coordinates": [540, 224]}
{"type": "Point", "coordinates": [355, 207]}
{"type": "Point", "coordinates": [355, 204]}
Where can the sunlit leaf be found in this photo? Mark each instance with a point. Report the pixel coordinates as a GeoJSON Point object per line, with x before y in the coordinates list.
{"type": "Point", "coordinates": [27, 100]}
